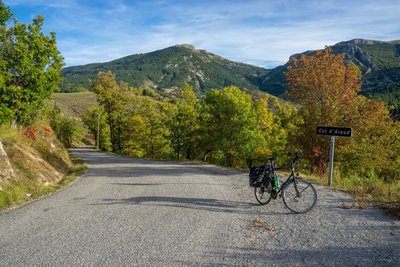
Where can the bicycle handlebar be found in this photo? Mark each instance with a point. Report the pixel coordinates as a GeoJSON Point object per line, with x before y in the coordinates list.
{"type": "Point", "coordinates": [297, 156]}
{"type": "Point", "coordinates": [292, 162]}
{"type": "Point", "coordinates": [272, 159]}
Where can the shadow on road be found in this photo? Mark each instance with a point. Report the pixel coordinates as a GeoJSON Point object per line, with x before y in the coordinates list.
{"type": "Point", "coordinates": [160, 184]}
{"type": "Point", "coordinates": [135, 170]}
{"type": "Point", "coordinates": [206, 204]}
{"type": "Point", "coordinates": [101, 163]}
{"type": "Point", "coordinates": [99, 158]}
{"type": "Point", "coordinates": [375, 255]}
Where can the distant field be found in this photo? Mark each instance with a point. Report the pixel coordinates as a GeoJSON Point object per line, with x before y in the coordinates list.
{"type": "Point", "coordinates": [74, 104]}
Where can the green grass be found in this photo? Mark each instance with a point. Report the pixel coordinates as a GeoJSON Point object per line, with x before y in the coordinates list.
{"type": "Point", "coordinates": [77, 169]}
{"type": "Point", "coordinates": [15, 193]}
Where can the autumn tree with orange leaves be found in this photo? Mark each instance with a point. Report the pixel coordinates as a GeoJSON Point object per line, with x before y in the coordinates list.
{"type": "Point", "coordinates": [326, 89]}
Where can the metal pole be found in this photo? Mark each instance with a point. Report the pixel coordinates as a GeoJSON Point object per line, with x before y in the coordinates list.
{"type": "Point", "coordinates": [331, 154]}
{"type": "Point", "coordinates": [98, 131]}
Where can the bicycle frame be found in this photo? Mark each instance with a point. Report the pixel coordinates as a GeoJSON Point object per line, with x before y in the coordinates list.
{"type": "Point", "coordinates": [291, 177]}
{"type": "Point", "coordinates": [298, 195]}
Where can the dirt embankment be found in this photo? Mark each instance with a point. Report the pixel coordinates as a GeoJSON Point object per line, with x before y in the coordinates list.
{"type": "Point", "coordinates": [31, 162]}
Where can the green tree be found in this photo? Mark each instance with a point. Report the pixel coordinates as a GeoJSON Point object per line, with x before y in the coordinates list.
{"type": "Point", "coordinates": [158, 145]}
{"type": "Point", "coordinates": [91, 119]}
{"type": "Point", "coordinates": [184, 124]}
{"type": "Point", "coordinates": [229, 125]}
{"type": "Point", "coordinates": [276, 121]}
{"type": "Point", "coordinates": [30, 67]}
{"type": "Point", "coordinates": [136, 136]}
{"type": "Point", "coordinates": [144, 128]}
{"type": "Point", "coordinates": [113, 96]}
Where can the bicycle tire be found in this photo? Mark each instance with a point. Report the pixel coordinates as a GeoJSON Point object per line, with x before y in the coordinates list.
{"type": "Point", "coordinates": [262, 194]}
{"type": "Point", "coordinates": [299, 203]}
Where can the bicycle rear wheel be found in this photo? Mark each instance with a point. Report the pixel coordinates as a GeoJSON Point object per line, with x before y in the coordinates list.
{"type": "Point", "coordinates": [299, 196]}
{"type": "Point", "coordinates": [263, 194]}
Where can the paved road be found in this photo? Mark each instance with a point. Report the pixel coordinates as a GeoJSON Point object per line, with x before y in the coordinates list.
{"type": "Point", "coordinates": [131, 212]}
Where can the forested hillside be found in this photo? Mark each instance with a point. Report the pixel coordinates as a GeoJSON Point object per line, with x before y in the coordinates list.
{"type": "Point", "coordinates": [229, 127]}
{"type": "Point", "coordinates": [167, 70]}
{"type": "Point", "coordinates": [378, 61]}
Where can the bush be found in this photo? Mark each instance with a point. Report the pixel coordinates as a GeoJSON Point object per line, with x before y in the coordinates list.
{"type": "Point", "coordinates": [66, 129]}
{"type": "Point", "coordinates": [90, 119]}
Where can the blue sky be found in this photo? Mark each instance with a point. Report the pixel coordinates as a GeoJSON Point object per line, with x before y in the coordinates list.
{"type": "Point", "coordinates": [263, 33]}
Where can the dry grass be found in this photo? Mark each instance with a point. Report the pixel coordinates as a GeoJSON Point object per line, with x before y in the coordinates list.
{"type": "Point", "coordinates": [74, 104]}
{"type": "Point", "coordinates": [366, 193]}
{"type": "Point", "coordinates": [39, 164]}
{"type": "Point", "coordinates": [16, 192]}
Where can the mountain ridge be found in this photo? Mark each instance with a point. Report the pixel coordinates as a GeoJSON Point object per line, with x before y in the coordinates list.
{"type": "Point", "coordinates": [379, 62]}
{"type": "Point", "coordinates": [166, 70]}
{"type": "Point", "coordinates": [170, 68]}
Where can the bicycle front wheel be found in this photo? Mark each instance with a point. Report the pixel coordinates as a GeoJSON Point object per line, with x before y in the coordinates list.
{"type": "Point", "coordinates": [299, 196]}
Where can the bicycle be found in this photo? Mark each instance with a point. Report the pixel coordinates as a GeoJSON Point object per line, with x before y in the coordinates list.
{"type": "Point", "coordinates": [298, 195]}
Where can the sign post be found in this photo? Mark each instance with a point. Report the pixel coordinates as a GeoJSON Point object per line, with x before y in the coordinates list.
{"type": "Point", "coordinates": [333, 131]}
{"type": "Point", "coordinates": [331, 154]}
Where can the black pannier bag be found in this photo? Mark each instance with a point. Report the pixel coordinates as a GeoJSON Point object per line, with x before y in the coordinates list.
{"type": "Point", "coordinates": [256, 175]}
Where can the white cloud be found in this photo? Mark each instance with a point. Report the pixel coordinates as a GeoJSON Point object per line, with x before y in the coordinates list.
{"type": "Point", "coordinates": [263, 33]}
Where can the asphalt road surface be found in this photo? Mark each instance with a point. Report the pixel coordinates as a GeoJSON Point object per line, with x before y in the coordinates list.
{"type": "Point", "coordinates": [132, 212]}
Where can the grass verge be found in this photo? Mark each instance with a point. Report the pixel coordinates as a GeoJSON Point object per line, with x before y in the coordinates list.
{"type": "Point", "coordinates": [77, 169]}
{"type": "Point", "coordinates": [15, 193]}
{"type": "Point", "coordinates": [365, 192]}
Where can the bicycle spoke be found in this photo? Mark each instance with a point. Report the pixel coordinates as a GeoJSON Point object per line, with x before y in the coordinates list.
{"type": "Point", "coordinates": [263, 196]}
{"type": "Point", "coordinates": [299, 196]}
{"type": "Point", "coordinates": [304, 190]}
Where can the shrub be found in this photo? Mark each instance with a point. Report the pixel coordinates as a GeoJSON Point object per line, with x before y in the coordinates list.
{"type": "Point", "coordinates": [66, 129]}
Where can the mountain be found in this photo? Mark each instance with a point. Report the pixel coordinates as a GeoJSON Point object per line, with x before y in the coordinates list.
{"type": "Point", "coordinates": [168, 69]}
{"type": "Point", "coordinates": [379, 62]}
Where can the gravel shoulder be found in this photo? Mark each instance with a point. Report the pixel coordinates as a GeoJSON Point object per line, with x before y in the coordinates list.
{"type": "Point", "coordinates": [137, 212]}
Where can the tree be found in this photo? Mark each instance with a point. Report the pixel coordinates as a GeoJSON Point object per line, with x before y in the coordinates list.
{"type": "Point", "coordinates": [327, 90]}
{"type": "Point", "coordinates": [374, 148]}
{"type": "Point", "coordinates": [113, 96]}
{"type": "Point", "coordinates": [157, 143]}
{"type": "Point", "coordinates": [30, 67]}
{"type": "Point", "coordinates": [184, 123]}
{"type": "Point", "coordinates": [144, 131]}
{"type": "Point", "coordinates": [136, 136]}
{"type": "Point", "coordinates": [229, 125]}
{"type": "Point", "coordinates": [276, 121]}
{"type": "Point", "coordinates": [91, 119]}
